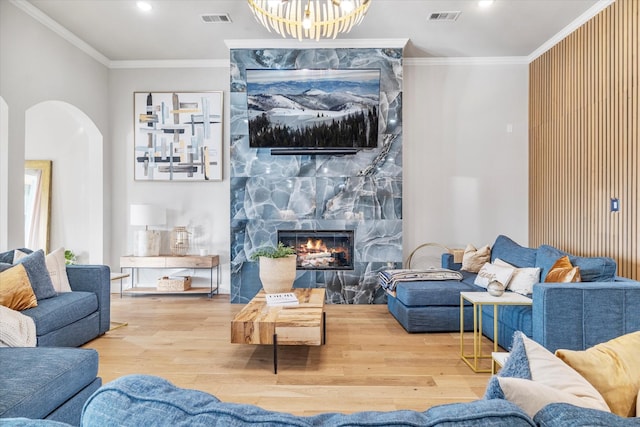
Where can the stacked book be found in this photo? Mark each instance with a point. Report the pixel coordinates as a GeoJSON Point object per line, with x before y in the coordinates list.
{"type": "Point", "coordinates": [282, 299]}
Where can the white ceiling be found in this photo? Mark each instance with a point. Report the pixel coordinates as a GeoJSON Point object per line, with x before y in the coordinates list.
{"type": "Point", "coordinates": [173, 29]}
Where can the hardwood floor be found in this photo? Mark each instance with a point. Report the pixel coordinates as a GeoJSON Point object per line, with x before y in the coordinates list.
{"type": "Point", "coordinates": [369, 362]}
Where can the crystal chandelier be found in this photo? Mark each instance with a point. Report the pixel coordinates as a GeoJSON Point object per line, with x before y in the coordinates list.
{"type": "Point", "coordinates": [309, 19]}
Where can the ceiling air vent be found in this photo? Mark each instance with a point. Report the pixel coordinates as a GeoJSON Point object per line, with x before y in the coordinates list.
{"type": "Point", "coordinates": [216, 18]}
{"type": "Point", "coordinates": [444, 16]}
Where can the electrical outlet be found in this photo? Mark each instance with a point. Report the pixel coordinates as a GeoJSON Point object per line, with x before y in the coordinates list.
{"type": "Point", "coordinates": [615, 204]}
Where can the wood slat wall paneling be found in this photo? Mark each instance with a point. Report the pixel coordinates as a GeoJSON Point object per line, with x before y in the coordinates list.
{"type": "Point", "coordinates": [584, 137]}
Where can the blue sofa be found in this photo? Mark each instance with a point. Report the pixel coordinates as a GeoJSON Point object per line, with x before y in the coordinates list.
{"type": "Point", "coordinates": [140, 400]}
{"type": "Point", "coordinates": [52, 380]}
{"type": "Point", "coordinates": [47, 382]}
{"type": "Point", "coordinates": [566, 315]}
{"type": "Point", "coordinates": [71, 319]}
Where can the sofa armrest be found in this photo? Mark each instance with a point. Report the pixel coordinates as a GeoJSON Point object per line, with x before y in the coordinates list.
{"type": "Point", "coordinates": [447, 262]}
{"type": "Point", "coordinates": [576, 316]}
{"type": "Point", "coordinates": [565, 414]}
{"type": "Point", "coordinates": [96, 279]}
{"type": "Point", "coordinates": [141, 400]}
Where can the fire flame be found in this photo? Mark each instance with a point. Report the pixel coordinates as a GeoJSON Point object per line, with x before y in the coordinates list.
{"type": "Point", "coordinates": [315, 246]}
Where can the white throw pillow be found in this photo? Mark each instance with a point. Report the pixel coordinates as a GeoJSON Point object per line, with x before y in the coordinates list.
{"type": "Point", "coordinates": [55, 266]}
{"type": "Point", "coordinates": [532, 396]}
{"type": "Point", "coordinates": [548, 380]}
{"type": "Point", "coordinates": [523, 279]}
{"type": "Point", "coordinates": [490, 272]}
{"type": "Point", "coordinates": [550, 370]}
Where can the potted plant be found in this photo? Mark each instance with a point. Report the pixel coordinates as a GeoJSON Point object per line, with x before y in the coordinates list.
{"type": "Point", "coordinates": [277, 267]}
{"type": "Point", "coordinates": [69, 257]}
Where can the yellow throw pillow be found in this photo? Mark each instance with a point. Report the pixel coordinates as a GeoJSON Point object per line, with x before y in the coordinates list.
{"type": "Point", "coordinates": [563, 272]}
{"type": "Point", "coordinates": [15, 289]}
{"type": "Point", "coordinates": [613, 368]}
{"type": "Point", "coordinates": [473, 259]}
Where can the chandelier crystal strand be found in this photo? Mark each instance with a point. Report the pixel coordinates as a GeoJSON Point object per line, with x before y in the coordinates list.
{"type": "Point", "coordinates": [321, 18]}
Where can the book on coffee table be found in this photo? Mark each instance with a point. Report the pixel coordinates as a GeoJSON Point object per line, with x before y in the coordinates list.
{"type": "Point", "coordinates": [285, 298]}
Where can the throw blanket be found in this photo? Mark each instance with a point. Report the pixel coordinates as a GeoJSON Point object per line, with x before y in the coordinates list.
{"type": "Point", "coordinates": [390, 278]}
{"type": "Point", "coordinates": [16, 329]}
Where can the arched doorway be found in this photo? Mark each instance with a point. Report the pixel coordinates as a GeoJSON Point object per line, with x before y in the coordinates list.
{"type": "Point", "coordinates": [60, 132]}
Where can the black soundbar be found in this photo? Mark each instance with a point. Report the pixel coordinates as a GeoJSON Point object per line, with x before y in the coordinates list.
{"type": "Point", "coordinates": [312, 151]}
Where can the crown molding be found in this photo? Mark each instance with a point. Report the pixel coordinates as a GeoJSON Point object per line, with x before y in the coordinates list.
{"type": "Point", "coordinates": [170, 63]}
{"type": "Point", "coordinates": [574, 25]}
{"type": "Point", "coordinates": [481, 60]}
{"type": "Point", "coordinates": [224, 63]}
{"type": "Point", "coordinates": [67, 35]}
{"type": "Point", "coordinates": [312, 44]}
{"type": "Point", "coordinates": [283, 43]}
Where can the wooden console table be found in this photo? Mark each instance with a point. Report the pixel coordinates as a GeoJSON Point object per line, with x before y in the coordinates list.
{"type": "Point", "coordinates": [134, 263]}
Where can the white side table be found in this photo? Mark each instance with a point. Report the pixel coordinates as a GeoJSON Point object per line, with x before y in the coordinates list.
{"type": "Point", "coordinates": [118, 276]}
{"type": "Point", "coordinates": [478, 299]}
{"type": "Point", "coordinates": [499, 358]}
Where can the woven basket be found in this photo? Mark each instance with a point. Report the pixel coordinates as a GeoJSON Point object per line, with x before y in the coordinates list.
{"type": "Point", "coordinates": [173, 284]}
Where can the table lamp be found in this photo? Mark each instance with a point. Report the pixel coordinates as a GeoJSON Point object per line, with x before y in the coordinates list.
{"type": "Point", "coordinates": [147, 242]}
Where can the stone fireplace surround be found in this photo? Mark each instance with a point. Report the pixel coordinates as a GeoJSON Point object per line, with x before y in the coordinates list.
{"type": "Point", "coordinates": [360, 192]}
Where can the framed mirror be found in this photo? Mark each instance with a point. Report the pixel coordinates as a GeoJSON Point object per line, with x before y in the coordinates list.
{"type": "Point", "coordinates": [37, 204]}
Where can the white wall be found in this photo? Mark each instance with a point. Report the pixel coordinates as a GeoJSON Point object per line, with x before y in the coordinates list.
{"type": "Point", "coordinates": [201, 206]}
{"type": "Point", "coordinates": [465, 174]}
{"type": "Point", "coordinates": [4, 168]}
{"type": "Point", "coordinates": [36, 65]}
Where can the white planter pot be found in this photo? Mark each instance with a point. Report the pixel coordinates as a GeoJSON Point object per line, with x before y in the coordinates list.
{"type": "Point", "coordinates": [277, 274]}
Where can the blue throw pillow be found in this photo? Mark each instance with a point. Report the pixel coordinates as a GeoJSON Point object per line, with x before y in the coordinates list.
{"type": "Point", "coordinates": [38, 274]}
{"type": "Point", "coordinates": [511, 252]}
{"type": "Point", "coordinates": [516, 366]}
{"type": "Point", "coordinates": [7, 257]}
{"type": "Point", "coordinates": [592, 269]}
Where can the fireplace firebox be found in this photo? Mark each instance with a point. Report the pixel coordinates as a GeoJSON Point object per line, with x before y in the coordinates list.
{"type": "Point", "coordinates": [320, 250]}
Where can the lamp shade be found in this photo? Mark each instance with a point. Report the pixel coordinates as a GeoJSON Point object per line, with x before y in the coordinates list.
{"type": "Point", "coordinates": [148, 215]}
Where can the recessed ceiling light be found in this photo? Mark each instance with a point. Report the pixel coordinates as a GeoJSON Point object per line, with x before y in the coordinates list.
{"type": "Point", "coordinates": [485, 3]}
{"type": "Point", "coordinates": [144, 6]}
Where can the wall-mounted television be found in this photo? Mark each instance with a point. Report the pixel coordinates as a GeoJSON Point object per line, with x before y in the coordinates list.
{"type": "Point", "coordinates": [329, 111]}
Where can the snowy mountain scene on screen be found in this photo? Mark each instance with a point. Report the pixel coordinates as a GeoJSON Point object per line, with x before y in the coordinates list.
{"type": "Point", "coordinates": [331, 108]}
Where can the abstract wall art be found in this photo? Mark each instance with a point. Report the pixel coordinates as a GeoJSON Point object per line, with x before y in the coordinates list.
{"type": "Point", "coordinates": [178, 136]}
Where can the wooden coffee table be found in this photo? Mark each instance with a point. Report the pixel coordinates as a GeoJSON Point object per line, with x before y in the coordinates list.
{"type": "Point", "coordinates": [303, 324]}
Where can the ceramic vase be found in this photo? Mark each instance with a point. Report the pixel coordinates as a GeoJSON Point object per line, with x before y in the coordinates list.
{"type": "Point", "coordinates": [277, 274]}
{"type": "Point", "coordinates": [495, 288]}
